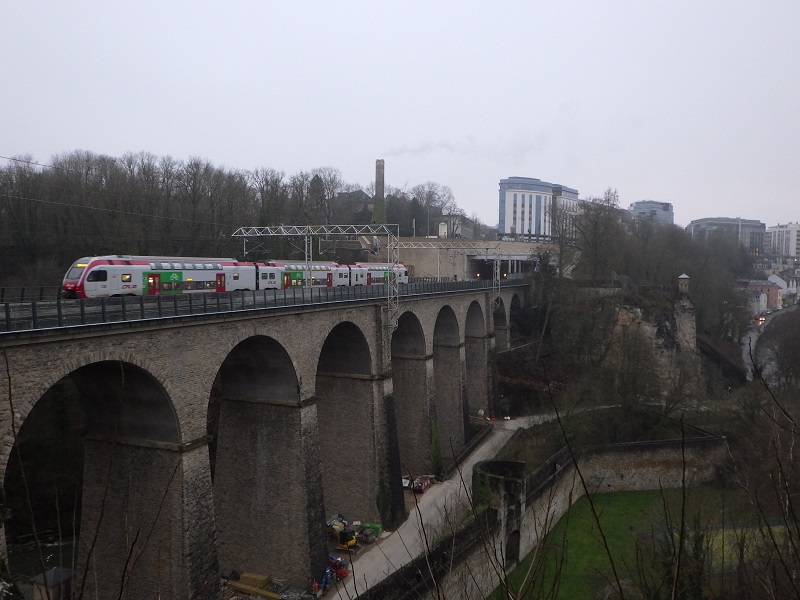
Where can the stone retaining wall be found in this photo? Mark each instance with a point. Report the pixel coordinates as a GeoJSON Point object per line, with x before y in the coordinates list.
{"type": "Point", "coordinates": [522, 510]}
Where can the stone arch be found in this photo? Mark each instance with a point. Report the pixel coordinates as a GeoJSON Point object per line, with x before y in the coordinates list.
{"type": "Point", "coordinates": [345, 350]}
{"type": "Point", "coordinates": [409, 338]}
{"type": "Point", "coordinates": [257, 370]}
{"type": "Point", "coordinates": [501, 331]}
{"type": "Point", "coordinates": [516, 302]}
{"type": "Point", "coordinates": [349, 424]}
{"type": "Point", "coordinates": [124, 400]}
{"type": "Point", "coordinates": [515, 312]}
{"type": "Point", "coordinates": [59, 371]}
{"type": "Point", "coordinates": [448, 382]}
{"type": "Point", "coordinates": [446, 331]}
{"type": "Point", "coordinates": [411, 409]}
{"type": "Point", "coordinates": [476, 358]}
{"type": "Point", "coordinates": [264, 440]}
{"type": "Point", "coordinates": [475, 324]}
{"type": "Point", "coordinates": [134, 474]}
{"type": "Point", "coordinates": [51, 434]}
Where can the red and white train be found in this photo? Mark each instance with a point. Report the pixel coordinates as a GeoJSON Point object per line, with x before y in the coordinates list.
{"type": "Point", "coordinates": [123, 275]}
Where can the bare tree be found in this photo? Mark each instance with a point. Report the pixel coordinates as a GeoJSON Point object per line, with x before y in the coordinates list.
{"type": "Point", "coordinates": [435, 199]}
{"type": "Point", "coordinates": [298, 188]}
{"type": "Point", "coordinates": [563, 234]}
{"type": "Point", "coordinates": [598, 228]}
{"type": "Point", "coordinates": [332, 184]}
{"type": "Point", "coordinates": [270, 194]}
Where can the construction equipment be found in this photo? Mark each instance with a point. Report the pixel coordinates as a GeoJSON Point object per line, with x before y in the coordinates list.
{"type": "Point", "coordinates": [347, 540]}
{"type": "Point", "coordinates": [340, 531]}
{"type": "Point", "coordinates": [337, 567]}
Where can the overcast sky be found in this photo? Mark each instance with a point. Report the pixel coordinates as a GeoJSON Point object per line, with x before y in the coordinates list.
{"type": "Point", "coordinates": [692, 102]}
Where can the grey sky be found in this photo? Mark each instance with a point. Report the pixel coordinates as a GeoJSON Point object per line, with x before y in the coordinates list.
{"type": "Point", "coordinates": [696, 103]}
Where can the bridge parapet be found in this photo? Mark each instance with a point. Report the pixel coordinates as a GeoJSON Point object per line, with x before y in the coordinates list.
{"type": "Point", "coordinates": [22, 316]}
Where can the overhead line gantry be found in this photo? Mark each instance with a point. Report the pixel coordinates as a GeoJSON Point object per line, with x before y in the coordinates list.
{"type": "Point", "coordinates": [308, 232]}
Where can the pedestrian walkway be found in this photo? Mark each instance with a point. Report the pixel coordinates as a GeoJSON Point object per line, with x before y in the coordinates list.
{"type": "Point", "coordinates": [442, 504]}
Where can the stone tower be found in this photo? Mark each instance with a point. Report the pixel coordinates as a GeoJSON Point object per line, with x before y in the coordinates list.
{"type": "Point", "coordinates": [683, 284]}
{"type": "Point", "coordinates": [379, 208]}
{"type": "Point", "coordinates": [379, 179]}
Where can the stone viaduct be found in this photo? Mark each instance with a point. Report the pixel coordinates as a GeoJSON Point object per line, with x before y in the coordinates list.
{"type": "Point", "coordinates": [221, 442]}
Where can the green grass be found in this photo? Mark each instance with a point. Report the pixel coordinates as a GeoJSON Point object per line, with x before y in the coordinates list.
{"type": "Point", "coordinates": [575, 546]}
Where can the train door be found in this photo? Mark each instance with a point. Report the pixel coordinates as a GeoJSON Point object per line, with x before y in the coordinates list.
{"type": "Point", "coordinates": [287, 281]}
{"type": "Point", "coordinates": [153, 284]}
{"type": "Point", "coordinates": [329, 282]}
{"type": "Point", "coordinates": [220, 282]}
{"type": "Point", "coordinates": [369, 278]}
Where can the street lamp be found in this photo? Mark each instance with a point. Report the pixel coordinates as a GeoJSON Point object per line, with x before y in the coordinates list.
{"type": "Point", "coordinates": [428, 230]}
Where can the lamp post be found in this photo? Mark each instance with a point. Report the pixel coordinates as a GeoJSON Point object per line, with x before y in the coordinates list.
{"type": "Point", "coordinates": [428, 230]}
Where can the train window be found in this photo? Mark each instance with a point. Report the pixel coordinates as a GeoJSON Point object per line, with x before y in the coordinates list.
{"type": "Point", "coordinates": [166, 285]}
{"type": "Point", "coordinates": [272, 275]}
{"type": "Point", "coordinates": [126, 277]}
{"type": "Point", "coordinates": [176, 266]}
{"type": "Point", "coordinates": [210, 285]}
{"type": "Point", "coordinates": [97, 275]}
{"type": "Point", "coordinates": [165, 266]}
{"type": "Point", "coordinates": [188, 266]}
{"type": "Point", "coordinates": [236, 277]}
{"type": "Point", "coordinates": [75, 272]}
{"type": "Point", "coordinates": [208, 266]}
{"type": "Point", "coordinates": [153, 266]}
{"type": "Point", "coordinates": [218, 267]}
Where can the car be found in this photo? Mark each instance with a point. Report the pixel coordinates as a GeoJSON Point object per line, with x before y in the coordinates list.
{"type": "Point", "coordinates": [422, 483]}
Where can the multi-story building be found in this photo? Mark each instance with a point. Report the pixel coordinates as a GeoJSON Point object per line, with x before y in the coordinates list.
{"type": "Point", "coordinates": [749, 232]}
{"type": "Point", "coordinates": [783, 240]}
{"type": "Point", "coordinates": [528, 207]}
{"type": "Point", "coordinates": [660, 212]}
{"type": "Point", "coordinates": [763, 286]}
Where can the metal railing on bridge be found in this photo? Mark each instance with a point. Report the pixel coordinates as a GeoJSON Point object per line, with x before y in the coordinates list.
{"type": "Point", "coordinates": [36, 315]}
{"type": "Point", "coordinates": [30, 294]}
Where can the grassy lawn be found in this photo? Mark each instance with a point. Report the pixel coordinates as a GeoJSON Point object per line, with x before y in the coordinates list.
{"type": "Point", "coordinates": [576, 548]}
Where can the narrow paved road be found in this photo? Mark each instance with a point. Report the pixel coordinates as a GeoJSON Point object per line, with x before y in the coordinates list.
{"type": "Point", "coordinates": [750, 342]}
{"type": "Point", "coordinates": [441, 504]}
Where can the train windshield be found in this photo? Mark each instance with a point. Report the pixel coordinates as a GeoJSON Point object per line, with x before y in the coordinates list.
{"type": "Point", "coordinates": [76, 270]}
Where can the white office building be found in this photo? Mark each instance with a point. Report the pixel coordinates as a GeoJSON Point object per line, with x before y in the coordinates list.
{"type": "Point", "coordinates": [783, 240]}
{"type": "Point", "coordinates": [526, 207]}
